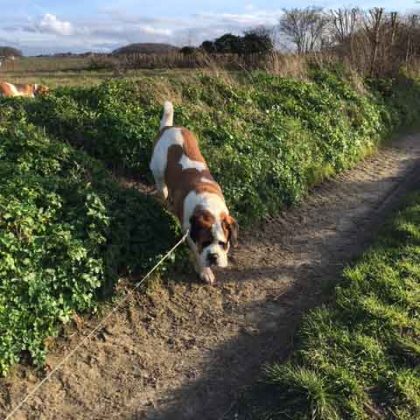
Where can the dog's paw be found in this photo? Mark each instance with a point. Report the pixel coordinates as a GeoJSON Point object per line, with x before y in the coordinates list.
{"type": "Point", "coordinates": [207, 275]}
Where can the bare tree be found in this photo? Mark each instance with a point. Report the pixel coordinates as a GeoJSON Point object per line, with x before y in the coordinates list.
{"type": "Point", "coordinates": [394, 23]}
{"type": "Point", "coordinates": [344, 23]}
{"type": "Point", "coordinates": [305, 27]}
{"type": "Point", "coordinates": [411, 29]}
{"type": "Point", "coordinates": [373, 23]}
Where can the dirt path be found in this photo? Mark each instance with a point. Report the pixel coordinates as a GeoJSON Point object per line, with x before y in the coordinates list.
{"type": "Point", "coordinates": [184, 350]}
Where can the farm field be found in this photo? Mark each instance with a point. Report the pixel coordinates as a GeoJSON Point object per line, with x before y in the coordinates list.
{"type": "Point", "coordinates": [78, 225]}
{"type": "Point", "coordinates": [75, 72]}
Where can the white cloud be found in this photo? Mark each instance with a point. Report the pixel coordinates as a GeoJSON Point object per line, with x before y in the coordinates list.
{"type": "Point", "coordinates": [150, 30]}
{"type": "Point", "coordinates": [51, 24]}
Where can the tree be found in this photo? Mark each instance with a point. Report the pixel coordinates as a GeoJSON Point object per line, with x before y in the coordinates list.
{"type": "Point", "coordinates": [228, 43]}
{"type": "Point", "coordinates": [10, 52]}
{"type": "Point", "coordinates": [208, 47]}
{"type": "Point", "coordinates": [257, 41]}
{"type": "Point", "coordinates": [305, 27]}
{"type": "Point", "coordinates": [373, 24]}
{"type": "Point", "coordinates": [344, 24]}
{"type": "Point", "coordinates": [188, 50]}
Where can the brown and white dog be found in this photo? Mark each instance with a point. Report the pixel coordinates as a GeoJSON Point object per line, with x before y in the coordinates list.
{"type": "Point", "coordinates": [183, 178]}
{"type": "Point", "coordinates": [27, 90]}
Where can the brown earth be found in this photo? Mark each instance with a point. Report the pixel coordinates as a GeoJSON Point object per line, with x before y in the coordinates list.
{"type": "Point", "coordinates": [184, 350]}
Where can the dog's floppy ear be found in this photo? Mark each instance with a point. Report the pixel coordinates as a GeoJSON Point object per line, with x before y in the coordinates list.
{"type": "Point", "coordinates": [232, 227]}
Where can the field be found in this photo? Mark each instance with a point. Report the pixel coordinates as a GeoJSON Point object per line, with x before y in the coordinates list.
{"type": "Point", "coordinates": [357, 356]}
{"type": "Point", "coordinates": [71, 227]}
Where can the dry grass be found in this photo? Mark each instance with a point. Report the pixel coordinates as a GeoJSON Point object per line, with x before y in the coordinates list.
{"type": "Point", "coordinates": [66, 71]}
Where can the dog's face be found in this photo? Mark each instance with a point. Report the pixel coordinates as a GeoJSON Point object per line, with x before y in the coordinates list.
{"type": "Point", "coordinates": [40, 90]}
{"type": "Point", "coordinates": [212, 237]}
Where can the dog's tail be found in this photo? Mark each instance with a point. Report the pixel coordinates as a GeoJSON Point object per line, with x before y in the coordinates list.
{"type": "Point", "coordinates": [168, 115]}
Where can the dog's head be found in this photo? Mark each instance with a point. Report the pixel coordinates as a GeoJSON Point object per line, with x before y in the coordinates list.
{"type": "Point", "coordinates": [40, 90]}
{"type": "Point", "coordinates": [213, 236]}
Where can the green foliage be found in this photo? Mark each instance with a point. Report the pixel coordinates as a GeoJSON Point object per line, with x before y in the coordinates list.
{"type": "Point", "coordinates": [267, 139]}
{"type": "Point", "coordinates": [360, 354]}
{"type": "Point", "coordinates": [66, 232]}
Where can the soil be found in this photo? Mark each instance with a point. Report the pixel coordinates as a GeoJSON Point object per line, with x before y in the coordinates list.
{"type": "Point", "coordinates": [185, 350]}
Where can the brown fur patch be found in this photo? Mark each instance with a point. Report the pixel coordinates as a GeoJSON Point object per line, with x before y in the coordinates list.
{"type": "Point", "coordinates": [201, 224]}
{"type": "Point", "coordinates": [180, 182]}
{"type": "Point", "coordinates": [5, 90]}
{"type": "Point", "coordinates": [230, 228]}
{"type": "Point", "coordinates": [191, 148]}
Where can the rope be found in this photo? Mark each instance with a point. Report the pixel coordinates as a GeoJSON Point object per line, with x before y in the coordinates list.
{"type": "Point", "coordinates": [97, 328]}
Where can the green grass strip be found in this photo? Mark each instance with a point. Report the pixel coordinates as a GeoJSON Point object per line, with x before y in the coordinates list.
{"type": "Point", "coordinates": [357, 357]}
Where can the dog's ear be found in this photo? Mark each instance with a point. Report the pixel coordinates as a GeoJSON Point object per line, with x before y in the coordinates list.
{"type": "Point", "coordinates": [201, 219]}
{"type": "Point", "coordinates": [231, 226]}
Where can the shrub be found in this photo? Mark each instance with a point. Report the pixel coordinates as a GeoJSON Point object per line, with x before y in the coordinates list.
{"type": "Point", "coordinates": [66, 232]}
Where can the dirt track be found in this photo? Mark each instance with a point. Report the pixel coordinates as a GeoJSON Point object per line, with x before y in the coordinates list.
{"type": "Point", "coordinates": [184, 350]}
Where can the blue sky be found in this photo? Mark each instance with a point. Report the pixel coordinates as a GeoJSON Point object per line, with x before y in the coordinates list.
{"type": "Point", "coordinates": [47, 26]}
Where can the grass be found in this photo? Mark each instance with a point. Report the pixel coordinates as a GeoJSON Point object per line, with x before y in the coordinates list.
{"type": "Point", "coordinates": [74, 72]}
{"type": "Point", "coordinates": [358, 356]}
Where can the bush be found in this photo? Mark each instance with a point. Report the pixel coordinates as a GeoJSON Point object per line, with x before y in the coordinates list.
{"type": "Point", "coordinates": [66, 232]}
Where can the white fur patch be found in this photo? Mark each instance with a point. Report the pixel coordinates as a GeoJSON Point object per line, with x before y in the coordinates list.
{"type": "Point", "coordinates": [187, 163]}
{"type": "Point", "coordinates": [168, 115]}
{"type": "Point", "coordinates": [213, 203]}
{"type": "Point", "coordinates": [172, 136]}
{"type": "Point", "coordinates": [13, 89]}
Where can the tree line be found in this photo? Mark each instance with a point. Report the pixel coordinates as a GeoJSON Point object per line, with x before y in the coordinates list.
{"type": "Point", "coordinates": [374, 42]}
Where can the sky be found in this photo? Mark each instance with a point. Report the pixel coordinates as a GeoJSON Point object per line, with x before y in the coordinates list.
{"type": "Point", "coordinates": [50, 26]}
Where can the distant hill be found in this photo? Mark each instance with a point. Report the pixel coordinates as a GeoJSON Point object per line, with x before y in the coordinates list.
{"type": "Point", "coordinates": [9, 52]}
{"type": "Point", "coordinates": [145, 48]}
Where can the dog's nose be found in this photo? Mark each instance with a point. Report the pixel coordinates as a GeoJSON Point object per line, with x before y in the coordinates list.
{"type": "Point", "coordinates": [213, 258]}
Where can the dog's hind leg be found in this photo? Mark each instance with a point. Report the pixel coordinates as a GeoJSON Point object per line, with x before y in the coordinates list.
{"type": "Point", "coordinates": [162, 189]}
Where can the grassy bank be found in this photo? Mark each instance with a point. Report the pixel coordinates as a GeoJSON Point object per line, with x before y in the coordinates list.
{"type": "Point", "coordinates": [67, 230]}
{"type": "Point", "coordinates": [267, 139]}
{"type": "Point", "coordinates": [357, 357]}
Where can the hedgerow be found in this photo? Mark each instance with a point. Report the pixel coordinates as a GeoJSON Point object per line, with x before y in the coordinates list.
{"type": "Point", "coordinates": [358, 356]}
{"type": "Point", "coordinates": [66, 232]}
{"type": "Point", "coordinates": [266, 138]}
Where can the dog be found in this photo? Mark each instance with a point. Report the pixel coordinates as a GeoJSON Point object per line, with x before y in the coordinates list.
{"type": "Point", "coordinates": [26, 90]}
{"type": "Point", "coordinates": [184, 182]}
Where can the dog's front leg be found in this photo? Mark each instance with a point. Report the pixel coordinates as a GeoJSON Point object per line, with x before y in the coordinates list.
{"type": "Point", "coordinates": [205, 273]}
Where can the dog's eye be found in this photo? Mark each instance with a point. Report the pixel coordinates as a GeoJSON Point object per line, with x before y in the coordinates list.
{"type": "Point", "coordinates": [206, 244]}
{"type": "Point", "coordinates": [223, 244]}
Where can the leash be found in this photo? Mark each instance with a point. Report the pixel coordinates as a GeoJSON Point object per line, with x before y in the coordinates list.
{"type": "Point", "coordinates": [94, 330]}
